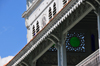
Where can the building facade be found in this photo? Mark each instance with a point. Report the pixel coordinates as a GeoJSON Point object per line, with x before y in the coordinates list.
{"type": "Point", "coordinates": [61, 33]}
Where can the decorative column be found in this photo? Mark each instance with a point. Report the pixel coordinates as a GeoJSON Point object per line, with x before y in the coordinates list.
{"type": "Point", "coordinates": [62, 52]}
{"type": "Point", "coordinates": [98, 17]}
{"type": "Point", "coordinates": [59, 54]}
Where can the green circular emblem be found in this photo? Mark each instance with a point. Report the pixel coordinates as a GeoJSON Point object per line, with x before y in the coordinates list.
{"type": "Point", "coordinates": [74, 41]}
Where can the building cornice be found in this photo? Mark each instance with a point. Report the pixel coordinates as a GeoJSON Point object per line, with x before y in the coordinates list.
{"type": "Point", "coordinates": [52, 24]}
{"type": "Point", "coordinates": [32, 7]}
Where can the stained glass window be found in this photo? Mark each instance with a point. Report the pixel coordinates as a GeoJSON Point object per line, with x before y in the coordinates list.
{"type": "Point", "coordinates": [75, 42]}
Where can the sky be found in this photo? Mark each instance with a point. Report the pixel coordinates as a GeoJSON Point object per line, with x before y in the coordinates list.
{"type": "Point", "coordinates": [12, 28]}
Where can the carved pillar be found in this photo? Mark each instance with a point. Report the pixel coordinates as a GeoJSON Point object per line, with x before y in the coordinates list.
{"type": "Point", "coordinates": [59, 54]}
{"type": "Point", "coordinates": [62, 52]}
{"type": "Point", "coordinates": [98, 17]}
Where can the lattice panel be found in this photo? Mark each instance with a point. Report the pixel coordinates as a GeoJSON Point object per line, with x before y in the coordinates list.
{"type": "Point", "coordinates": [49, 59]}
{"type": "Point", "coordinates": [69, 47]}
{"type": "Point", "coordinates": [80, 36]}
{"type": "Point", "coordinates": [52, 49]}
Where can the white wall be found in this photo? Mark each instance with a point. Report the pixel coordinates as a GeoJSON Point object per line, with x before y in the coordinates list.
{"type": "Point", "coordinates": [38, 14]}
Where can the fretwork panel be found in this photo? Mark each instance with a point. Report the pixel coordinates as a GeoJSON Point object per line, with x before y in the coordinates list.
{"type": "Point", "coordinates": [75, 41]}
{"type": "Point", "coordinates": [77, 38]}
{"type": "Point", "coordinates": [50, 58]}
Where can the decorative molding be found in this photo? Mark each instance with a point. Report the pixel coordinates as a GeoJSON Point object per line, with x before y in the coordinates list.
{"type": "Point", "coordinates": [37, 41]}
{"type": "Point", "coordinates": [55, 37]}
{"type": "Point", "coordinates": [25, 63]}
{"type": "Point", "coordinates": [31, 7]}
{"type": "Point", "coordinates": [52, 59]}
{"type": "Point", "coordinates": [52, 56]}
{"type": "Point", "coordinates": [41, 12]}
{"type": "Point", "coordinates": [76, 16]}
{"type": "Point", "coordinates": [81, 37]}
{"type": "Point", "coordinates": [91, 60]}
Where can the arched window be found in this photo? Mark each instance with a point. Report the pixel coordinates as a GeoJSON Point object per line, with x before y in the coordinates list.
{"type": "Point", "coordinates": [64, 2]}
{"type": "Point", "coordinates": [33, 30]}
{"type": "Point", "coordinates": [50, 13]}
{"type": "Point", "coordinates": [54, 9]}
{"type": "Point", "coordinates": [37, 27]}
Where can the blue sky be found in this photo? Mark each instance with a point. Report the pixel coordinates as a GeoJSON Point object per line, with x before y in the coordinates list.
{"type": "Point", "coordinates": [12, 27]}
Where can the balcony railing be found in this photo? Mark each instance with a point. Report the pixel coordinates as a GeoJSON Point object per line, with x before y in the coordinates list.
{"type": "Point", "coordinates": [92, 60]}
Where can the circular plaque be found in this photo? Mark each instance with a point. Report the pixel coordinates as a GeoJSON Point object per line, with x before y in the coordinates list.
{"type": "Point", "coordinates": [74, 41]}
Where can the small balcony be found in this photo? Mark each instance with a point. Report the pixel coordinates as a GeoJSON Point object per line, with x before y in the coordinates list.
{"type": "Point", "coordinates": [91, 60]}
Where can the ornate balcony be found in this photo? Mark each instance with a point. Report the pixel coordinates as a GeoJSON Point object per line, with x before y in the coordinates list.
{"type": "Point", "coordinates": [92, 60]}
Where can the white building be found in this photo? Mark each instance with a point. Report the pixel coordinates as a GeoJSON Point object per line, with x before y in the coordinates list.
{"type": "Point", "coordinates": [60, 33]}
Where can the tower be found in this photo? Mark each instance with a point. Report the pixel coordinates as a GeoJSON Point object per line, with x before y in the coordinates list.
{"type": "Point", "coordinates": [59, 33]}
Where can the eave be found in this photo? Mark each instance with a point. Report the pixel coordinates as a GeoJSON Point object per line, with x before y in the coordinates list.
{"type": "Point", "coordinates": [63, 14]}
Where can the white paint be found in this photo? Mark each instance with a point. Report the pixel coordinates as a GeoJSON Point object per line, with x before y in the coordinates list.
{"type": "Point", "coordinates": [37, 15]}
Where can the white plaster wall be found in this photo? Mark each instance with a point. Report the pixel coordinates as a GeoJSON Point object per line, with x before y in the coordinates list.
{"type": "Point", "coordinates": [28, 35]}
{"type": "Point", "coordinates": [34, 15]}
{"type": "Point", "coordinates": [39, 12]}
